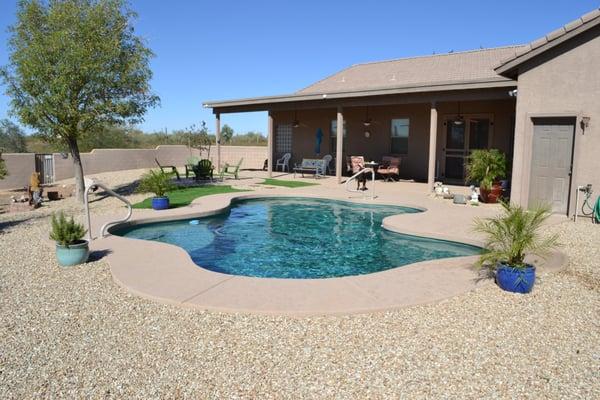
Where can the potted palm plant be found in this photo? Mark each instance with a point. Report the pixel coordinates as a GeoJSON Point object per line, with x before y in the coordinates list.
{"type": "Point", "coordinates": [510, 237]}
{"type": "Point", "coordinates": [159, 183]}
{"type": "Point", "coordinates": [71, 248]}
{"type": "Point", "coordinates": [487, 166]}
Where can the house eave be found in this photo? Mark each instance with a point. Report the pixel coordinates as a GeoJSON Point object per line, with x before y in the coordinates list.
{"type": "Point", "coordinates": [262, 103]}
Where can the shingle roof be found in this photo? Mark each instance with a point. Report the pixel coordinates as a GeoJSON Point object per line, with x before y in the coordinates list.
{"type": "Point", "coordinates": [524, 53]}
{"type": "Point", "coordinates": [459, 67]}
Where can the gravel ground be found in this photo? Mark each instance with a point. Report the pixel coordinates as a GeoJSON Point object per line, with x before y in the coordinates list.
{"type": "Point", "coordinates": [72, 333]}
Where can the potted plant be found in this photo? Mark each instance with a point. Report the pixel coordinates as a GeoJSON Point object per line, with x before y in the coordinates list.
{"type": "Point", "coordinates": [487, 166]}
{"type": "Point", "coordinates": [511, 236]}
{"type": "Point", "coordinates": [71, 248]}
{"type": "Point", "coordinates": [159, 183]}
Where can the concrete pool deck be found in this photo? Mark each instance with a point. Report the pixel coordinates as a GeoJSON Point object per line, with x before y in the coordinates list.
{"type": "Point", "coordinates": [166, 273]}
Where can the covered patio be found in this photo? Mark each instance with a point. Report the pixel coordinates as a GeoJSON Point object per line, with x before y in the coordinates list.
{"type": "Point", "coordinates": [430, 112]}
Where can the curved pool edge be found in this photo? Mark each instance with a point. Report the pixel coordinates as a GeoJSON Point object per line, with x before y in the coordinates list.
{"type": "Point", "coordinates": [165, 273]}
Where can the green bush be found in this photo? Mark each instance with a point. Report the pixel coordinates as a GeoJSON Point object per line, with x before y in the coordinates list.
{"type": "Point", "coordinates": [485, 166]}
{"type": "Point", "coordinates": [514, 234]}
{"type": "Point", "coordinates": [65, 231]}
{"type": "Point", "coordinates": [3, 170]}
{"type": "Point", "coordinates": [156, 182]}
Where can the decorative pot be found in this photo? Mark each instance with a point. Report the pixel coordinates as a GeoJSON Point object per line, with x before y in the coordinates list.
{"type": "Point", "coordinates": [516, 280]}
{"type": "Point", "coordinates": [73, 254]}
{"type": "Point", "coordinates": [492, 195]}
{"type": "Point", "coordinates": [160, 203]}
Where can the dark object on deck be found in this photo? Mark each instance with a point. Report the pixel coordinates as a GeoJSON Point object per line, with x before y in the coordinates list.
{"type": "Point", "coordinates": [53, 196]}
{"type": "Point", "coordinates": [171, 167]}
{"type": "Point", "coordinates": [266, 165]}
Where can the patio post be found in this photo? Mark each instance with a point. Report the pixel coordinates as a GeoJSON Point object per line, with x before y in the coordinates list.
{"type": "Point", "coordinates": [433, 123]}
{"type": "Point", "coordinates": [270, 146]}
{"type": "Point", "coordinates": [339, 144]}
{"type": "Point", "coordinates": [218, 138]}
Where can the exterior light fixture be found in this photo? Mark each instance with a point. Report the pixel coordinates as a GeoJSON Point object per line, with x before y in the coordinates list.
{"type": "Point", "coordinates": [295, 123]}
{"type": "Point", "coordinates": [367, 134]}
{"type": "Point", "coordinates": [585, 123]}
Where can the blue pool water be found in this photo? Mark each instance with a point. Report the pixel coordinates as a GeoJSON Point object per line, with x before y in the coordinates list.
{"type": "Point", "coordinates": [298, 238]}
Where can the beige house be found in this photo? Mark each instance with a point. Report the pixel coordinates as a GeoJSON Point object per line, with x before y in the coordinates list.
{"type": "Point", "coordinates": [539, 103]}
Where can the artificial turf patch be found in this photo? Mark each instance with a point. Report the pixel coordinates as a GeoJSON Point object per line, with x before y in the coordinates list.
{"type": "Point", "coordinates": [183, 197]}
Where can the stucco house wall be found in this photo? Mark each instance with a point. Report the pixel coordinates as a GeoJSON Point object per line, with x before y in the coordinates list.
{"type": "Point", "coordinates": [565, 81]}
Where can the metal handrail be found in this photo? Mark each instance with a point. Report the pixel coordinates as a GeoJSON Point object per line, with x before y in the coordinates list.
{"type": "Point", "coordinates": [353, 177]}
{"type": "Point", "coordinates": [93, 184]}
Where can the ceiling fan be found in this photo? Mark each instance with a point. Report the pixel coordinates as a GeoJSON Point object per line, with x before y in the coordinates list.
{"type": "Point", "coordinates": [296, 122]}
{"type": "Point", "coordinates": [368, 121]}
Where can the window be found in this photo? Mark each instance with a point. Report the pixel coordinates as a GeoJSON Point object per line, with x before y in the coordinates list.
{"type": "Point", "coordinates": [333, 135]}
{"type": "Point", "coordinates": [479, 133]}
{"type": "Point", "coordinates": [283, 140]}
{"type": "Point", "coordinates": [400, 128]}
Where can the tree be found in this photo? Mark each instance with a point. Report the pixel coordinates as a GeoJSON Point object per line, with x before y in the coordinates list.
{"type": "Point", "coordinates": [74, 66]}
{"type": "Point", "coordinates": [226, 133]}
{"type": "Point", "coordinates": [198, 138]}
{"type": "Point", "coordinates": [12, 138]}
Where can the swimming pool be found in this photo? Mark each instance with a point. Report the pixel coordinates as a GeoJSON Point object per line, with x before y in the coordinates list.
{"type": "Point", "coordinates": [298, 238]}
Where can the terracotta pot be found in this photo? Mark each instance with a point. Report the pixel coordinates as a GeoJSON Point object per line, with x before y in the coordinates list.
{"type": "Point", "coordinates": [493, 195]}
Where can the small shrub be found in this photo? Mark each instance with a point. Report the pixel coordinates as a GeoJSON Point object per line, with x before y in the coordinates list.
{"type": "Point", "coordinates": [514, 234]}
{"type": "Point", "coordinates": [65, 231]}
{"type": "Point", "coordinates": [485, 166]}
{"type": "Point", "coordinates": [156, 182]}
{"type": "Point", "coordinates": [3, 170]}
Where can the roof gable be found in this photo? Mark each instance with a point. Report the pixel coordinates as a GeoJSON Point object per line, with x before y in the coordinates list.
{"type": "Point", "coordinates": [508, 67]}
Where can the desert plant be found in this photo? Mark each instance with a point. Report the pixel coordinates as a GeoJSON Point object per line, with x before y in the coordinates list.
{"type": "Point", "coordinates": [485, 166]}
{"type": "Point", "coordinates": [3, 170]}
{"type": "Point", "coordinates": [514, 234]}
{"type": "Point", "coordinates": [65, 231]}
{"type": "Point", "coordinates": [156, 182]}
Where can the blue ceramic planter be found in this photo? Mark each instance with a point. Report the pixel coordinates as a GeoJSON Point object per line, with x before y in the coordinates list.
{"type": "Point", "coordinates": [516, 280]}
{"type": "Point", "coordinates": [73, 254]}
{"type": "Point", "coordinates": [160, 203]}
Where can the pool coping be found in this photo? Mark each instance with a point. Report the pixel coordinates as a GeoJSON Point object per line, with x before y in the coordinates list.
{"type": "Point", "coordinates": [165, 273]}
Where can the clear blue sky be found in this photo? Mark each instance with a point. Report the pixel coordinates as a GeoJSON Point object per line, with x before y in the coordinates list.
{"type": "Point", "coordinates": [209, 50]}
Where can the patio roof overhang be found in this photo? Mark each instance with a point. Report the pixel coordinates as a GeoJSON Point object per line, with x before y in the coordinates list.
{"type": "Point", "coordinates": [496, 88]}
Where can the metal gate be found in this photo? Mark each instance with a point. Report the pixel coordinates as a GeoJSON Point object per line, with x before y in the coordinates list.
{"type": "Point", "coordinates": [44, 165]}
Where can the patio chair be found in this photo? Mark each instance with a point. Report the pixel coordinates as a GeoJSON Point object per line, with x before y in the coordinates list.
{"type": "Point", "coordinates": [231, 170]}
{"type": "Point", "coordinates": [390, 169]}
{"type": "Point", "coordinates": [284, 162]}
{"type": "Point", "coordinates": [356, 164]}
{"type": "Point", "coordinates": [190, 163]}
{"type": "Point", "coordinates": [204, 169]}
{"type": "Point", "coordinates": [167, 167]}
{"type": "Point", "coordinates": [327, 160]}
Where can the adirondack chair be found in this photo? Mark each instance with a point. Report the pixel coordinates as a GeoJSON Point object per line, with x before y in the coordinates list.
{"type": "Point", "coordinates": [167, 167]}
{"type": "Point", "coordinates": [231, 170]}
{"type": "Point", "coordinates": [190, 163]}
{"type": "Point", "coordinates": [204, 169]}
